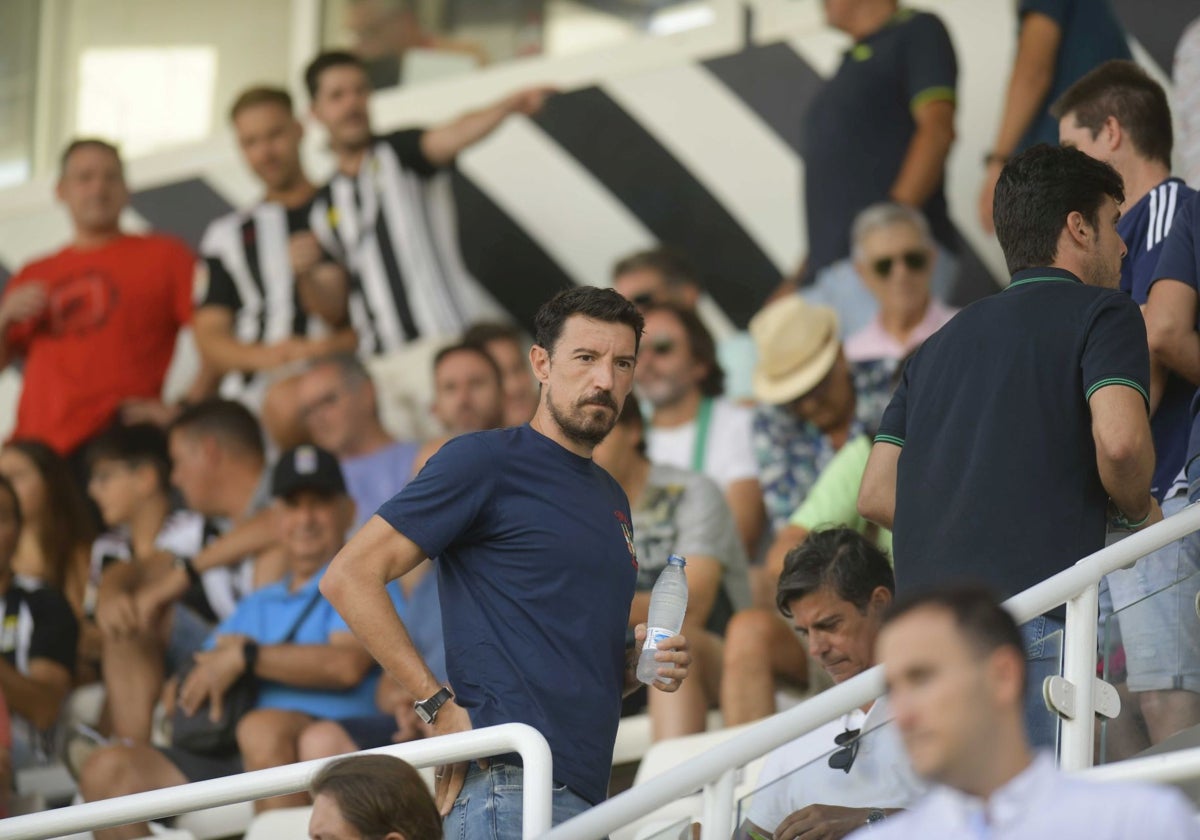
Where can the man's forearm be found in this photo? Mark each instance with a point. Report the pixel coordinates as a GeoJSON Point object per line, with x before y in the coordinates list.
{"type": "Point", "coordinates": [441, 145]}
{"type": "Point", "coordinates": [924, 166]}
{"type": "Point", "coordinates": [1180, 354]}
{"type": "Point", "coordinates": [1128, 482]}
{"type": "Point", "coordinates": [312, 666]}
{"type": "Point", "coordinates": [32, 700]}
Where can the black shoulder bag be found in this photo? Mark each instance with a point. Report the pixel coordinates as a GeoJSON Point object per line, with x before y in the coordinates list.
{"type": "Point", "coordinates": [199, 733]}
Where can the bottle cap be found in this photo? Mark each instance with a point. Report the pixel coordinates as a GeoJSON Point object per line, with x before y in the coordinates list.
{"type": "Point", "coordinates": [676, 560]}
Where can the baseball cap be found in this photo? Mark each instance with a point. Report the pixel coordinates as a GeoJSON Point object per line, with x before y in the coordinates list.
{"type": "Point", "coordinates": [307, 467]}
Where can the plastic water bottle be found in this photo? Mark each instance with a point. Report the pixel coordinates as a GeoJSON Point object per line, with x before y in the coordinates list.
{"type": "Point", "coordinates": [668, 603]}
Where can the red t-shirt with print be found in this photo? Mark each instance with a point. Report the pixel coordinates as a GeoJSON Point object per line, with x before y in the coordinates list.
{"type": "Point", "coordinates": [107, 333]}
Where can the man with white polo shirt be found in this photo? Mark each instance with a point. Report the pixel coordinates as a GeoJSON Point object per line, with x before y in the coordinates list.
{"type": "Point", "coordinates": [836, 587]}
{"type": "Point", "coordinates": [954, 660]}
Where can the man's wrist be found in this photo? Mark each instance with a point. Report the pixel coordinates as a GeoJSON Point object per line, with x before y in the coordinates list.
{"type": "Point", "coordinates": [249, 651]}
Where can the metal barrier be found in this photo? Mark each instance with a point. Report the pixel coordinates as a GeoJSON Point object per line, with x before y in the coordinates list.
{"type": "Point", "coordinates": [156, 804]}
{"type": "Point", "coordinates": [713, 771]}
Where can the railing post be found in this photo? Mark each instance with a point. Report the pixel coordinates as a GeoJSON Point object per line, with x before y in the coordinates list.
{"type": "Point", "coordinates": [1079, 669]}
{"type": "Point", "coordinates": [718, 805]}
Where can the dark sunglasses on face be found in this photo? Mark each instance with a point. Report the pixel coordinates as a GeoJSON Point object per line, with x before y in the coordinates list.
{"type": "Point", "coordinates": [662, 346]}
{"type": "Point", "coordinates": [642, 299]}
{"type": "Point", "coordinates": [913, 261]}
{"type": "Point", "coordinates": [843, 759]}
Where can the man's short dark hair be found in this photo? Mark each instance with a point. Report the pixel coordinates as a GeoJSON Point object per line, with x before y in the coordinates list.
{"type": "Point", "coordinates": [229, 422]}
{"type": "Point", "coordinates": [590, 302]}
{"type": "Point", "coordinates": [1036, 192]}
{"type": "Point", "coordinates": [470, 349]}
{"type": "Point", "coordinates": [379, 795]}
{"type": "Point", "coordinates": [672, 264]}
{"type": "Point", "coordinates": [485, 332]}
{"type": "Point", "coordinates": [323, 62]}
{"type": "Point", "coordinates": [260, 95]}
{"type": "Point", "coordinates": [87, 143]}
{"type": "Point", "coordinates": [838, 559]}
{"type": "Point", "coordinates": [1123, 90]}
{"type": "Point", "coordinates": [349, 367]}
{"type": "Point", "coordinates": [137, 445]}
{"type": "Point", "coordinates": [700, 343]}
{"type": "Point", "coordinates": [985, 625]}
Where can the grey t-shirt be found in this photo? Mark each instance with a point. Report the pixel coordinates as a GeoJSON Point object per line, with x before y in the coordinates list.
{"type": "Point", "coordinates": [683, 512]}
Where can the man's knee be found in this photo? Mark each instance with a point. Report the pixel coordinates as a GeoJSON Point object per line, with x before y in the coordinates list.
{"type": "Point", "coordinates": [117, 770]}
{"type": "Point", "coordinates": [269, 734]}
{"type": "Point", "coordinates": [748, 634]}
{"type": "Point", "coordinates": [324, 739]}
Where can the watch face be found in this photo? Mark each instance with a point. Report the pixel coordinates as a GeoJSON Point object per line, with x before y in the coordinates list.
{"type": "Point", "coordinates": [422, 714]}
{"type": "Point", "coordinates": [875, 816]}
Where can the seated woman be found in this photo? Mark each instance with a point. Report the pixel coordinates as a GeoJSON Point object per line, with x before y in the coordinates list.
{"type": "Point", "coordinates": [372, 796]}
{"type": "Point", "coordinates": [894, 256]}
{"type": "Point", "coordinates": [680, 512]}
{"type": "Point", "coordinates": [38, 638]}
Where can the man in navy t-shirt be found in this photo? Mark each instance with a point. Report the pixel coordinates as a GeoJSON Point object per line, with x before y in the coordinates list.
{"type": "Point", "coordinates": [1118, 114]}
{"type": "Point", "coordinates": [1019, 423]}
{"type": "Point", "coordinates": [536, 570]}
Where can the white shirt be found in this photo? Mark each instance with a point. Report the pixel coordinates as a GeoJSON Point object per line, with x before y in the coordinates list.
{"type": "Point", "coordinates": [798, 774]}
{"type": "Point", "coordinates": [728, 453]}
{"type": "Point", "coordinates": [1042, 802]}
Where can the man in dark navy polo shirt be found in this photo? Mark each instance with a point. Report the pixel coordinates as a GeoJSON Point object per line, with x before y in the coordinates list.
{"type": "Point", "coordinates": [880, 129]}
{"type": "Point", "coordinates": [536, 571]}
{"type": "Point", "coordinates": [1019, 424]}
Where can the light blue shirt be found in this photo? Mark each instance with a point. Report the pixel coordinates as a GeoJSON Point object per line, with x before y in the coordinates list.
{"type": "Point", "coordinates": [373, 479]}
{"type": "Point", "coordinates": [1042, 802]}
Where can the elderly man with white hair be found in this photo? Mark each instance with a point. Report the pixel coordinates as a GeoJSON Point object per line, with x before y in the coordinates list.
{"type": "Point", "coordinates": [894, 255]}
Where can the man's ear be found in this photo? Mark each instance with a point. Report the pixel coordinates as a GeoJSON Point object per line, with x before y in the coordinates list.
{"type": "Point", "coordinates": [1112, 133]}
{"type": "Point", "coordinates": [1080, 230]}
{"type": "Point", "coordinates": [1006, 667]}
{"type": "Point", "coordinates": [539, 360]}
{"type": "Point", "coordinates": [881, 599]}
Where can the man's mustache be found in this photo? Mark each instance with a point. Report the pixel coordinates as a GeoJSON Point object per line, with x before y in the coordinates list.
{"type": "Point", "coordinates": [603, 398]}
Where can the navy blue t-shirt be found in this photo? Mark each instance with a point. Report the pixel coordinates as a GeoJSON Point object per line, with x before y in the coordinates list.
{"type": "Point", "coordinates": [857, 130]}
{"type": "Point", "coordinates": [1144, 228]}
{"type": "Point", "coordinates": [1091, 35]}
{"type": "Point", "coordinates": [997, 481]}
{"type": "Point", "coordinates": [536, 572]}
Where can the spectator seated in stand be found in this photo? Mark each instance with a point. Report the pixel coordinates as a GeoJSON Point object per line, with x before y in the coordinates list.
{"type": "Point", "coordinates": [509, 349]}
{"type": "Point", "coordinates": [372, 797]}
{"type": "Point", "coordinates": [339, 406]}
{"type": "Point", "coordinates": [220, 552]}
{"type": "Point", "coordinates": [467, 395]}
{"type": "Point", "coordinates": [894, 256]}
{"type": "Point", "coordinates": [56, 535]}
{"type": "Point", "coordinates": [679, 512]}
{"type": "Point", "coordinates": [129, 469]}
{"type": "Point", "coordinates": [307, 663]}
{"type": "Point", "coordinates": [37, 646]}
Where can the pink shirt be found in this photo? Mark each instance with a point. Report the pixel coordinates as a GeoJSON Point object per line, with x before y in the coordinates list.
{"type": "Point", "coordinates": [874, 342]}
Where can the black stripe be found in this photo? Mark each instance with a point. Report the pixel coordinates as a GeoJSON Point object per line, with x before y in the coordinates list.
{"type": "Point", "coordinates": [249, 242]}
{"type": "Point", "coordinates": [1160, 31]}
{"type": "Point", "coordinates": [502, 256]}
{"type": "Point", "coordinates": [4, 275]}
{"type": "Point", "coordinates": [392, 267]}
{"type": "Point", "coordinates": [664, 195]}
{"type": "Point", "coordinates": [183, 208]}
{"type": "Point", "coordinates": [774, 81]}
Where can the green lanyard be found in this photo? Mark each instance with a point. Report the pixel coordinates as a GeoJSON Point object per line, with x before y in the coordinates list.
{"type": "Point", "coordinates": [703, 418]}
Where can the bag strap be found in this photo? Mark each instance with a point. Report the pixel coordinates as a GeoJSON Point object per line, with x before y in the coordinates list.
{"type": "Point", "coordinates": [700, 445]}
{"type": "Point", "coordinates": [308, 608]}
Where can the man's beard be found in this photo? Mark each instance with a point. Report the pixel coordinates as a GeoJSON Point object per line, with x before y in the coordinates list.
{"type": "Point", "coordinates": [584, 427]}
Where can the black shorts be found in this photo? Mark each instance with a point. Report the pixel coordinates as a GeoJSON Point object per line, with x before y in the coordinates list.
{"type": "Point", "coordinates": [201, 768]}
{"type": "Point", "coordinates": [369, 731]}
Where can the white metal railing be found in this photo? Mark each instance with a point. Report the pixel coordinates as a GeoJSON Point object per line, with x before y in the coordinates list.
{"type": "Point", "coordinates": [156, 804]}
{"type": "Point", "coordinates": [1077, 587]}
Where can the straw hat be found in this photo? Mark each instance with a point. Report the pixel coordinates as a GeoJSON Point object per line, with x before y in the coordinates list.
{"type": "Point", "coordinates": [797, 345]}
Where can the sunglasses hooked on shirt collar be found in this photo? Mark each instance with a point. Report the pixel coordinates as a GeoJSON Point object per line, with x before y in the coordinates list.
{"type": "Point", "coordinates": [913, 261]}
{"type": "Point", "coordinates": [843, 759]}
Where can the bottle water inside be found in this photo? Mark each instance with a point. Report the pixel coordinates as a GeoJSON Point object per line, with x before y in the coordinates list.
{"type": "Point", "coordinates": [668, 603]}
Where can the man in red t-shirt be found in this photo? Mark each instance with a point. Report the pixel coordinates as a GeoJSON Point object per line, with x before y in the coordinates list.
{"type": "Point", "coordinates": [96, 322]}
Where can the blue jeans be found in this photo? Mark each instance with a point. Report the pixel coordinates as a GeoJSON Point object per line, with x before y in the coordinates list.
{"type": "Point", "coordinates": [1043, 658]}
{"type": "Point", "coordinates": [489, 806]}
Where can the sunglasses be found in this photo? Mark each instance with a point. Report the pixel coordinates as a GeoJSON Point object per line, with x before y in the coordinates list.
{"type": "Point", "coordinates": [913, 261]}
{"type": "Point", "coordinates": [643, 299]}
{"type": "Point", "coordinates": [843, 759]}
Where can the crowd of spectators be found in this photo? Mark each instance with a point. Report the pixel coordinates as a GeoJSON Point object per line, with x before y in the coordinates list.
{"type": "Point", "coordinates": [165, 552]}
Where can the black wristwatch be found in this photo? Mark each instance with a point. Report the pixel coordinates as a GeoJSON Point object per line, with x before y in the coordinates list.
{"type": "Point", "coordinates": [875, 816]}
{"type": "Point", "coordinates": [427, 709]}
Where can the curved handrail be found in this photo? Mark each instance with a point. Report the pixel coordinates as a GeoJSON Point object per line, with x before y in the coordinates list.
{"type": "Point", "coordinates": [291, 778]}
{"type": "Point", "coordinates": [775, 731]}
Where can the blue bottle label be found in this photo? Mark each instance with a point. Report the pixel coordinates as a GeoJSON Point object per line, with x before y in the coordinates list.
{"type": "Point", "coordinates": [655, 636]}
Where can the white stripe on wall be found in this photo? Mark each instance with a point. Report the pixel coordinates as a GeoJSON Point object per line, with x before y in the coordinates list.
{"type": "Point", "coordinates": [744, 164]}
{"type": "Point", "coordinates": [527, 175]}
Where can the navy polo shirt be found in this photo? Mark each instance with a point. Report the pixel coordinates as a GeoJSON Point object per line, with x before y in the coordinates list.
{"type": "Point", "coordinates": [857, 130]}
{"type": "Point", "coordinates": [1091, 35]}
{"type": "Point", "coordinates": [536, 572]}
{"type": "Point", "coordinates": [1144, 228]}
{"type": "Point", "coordinates": [997, 481]}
